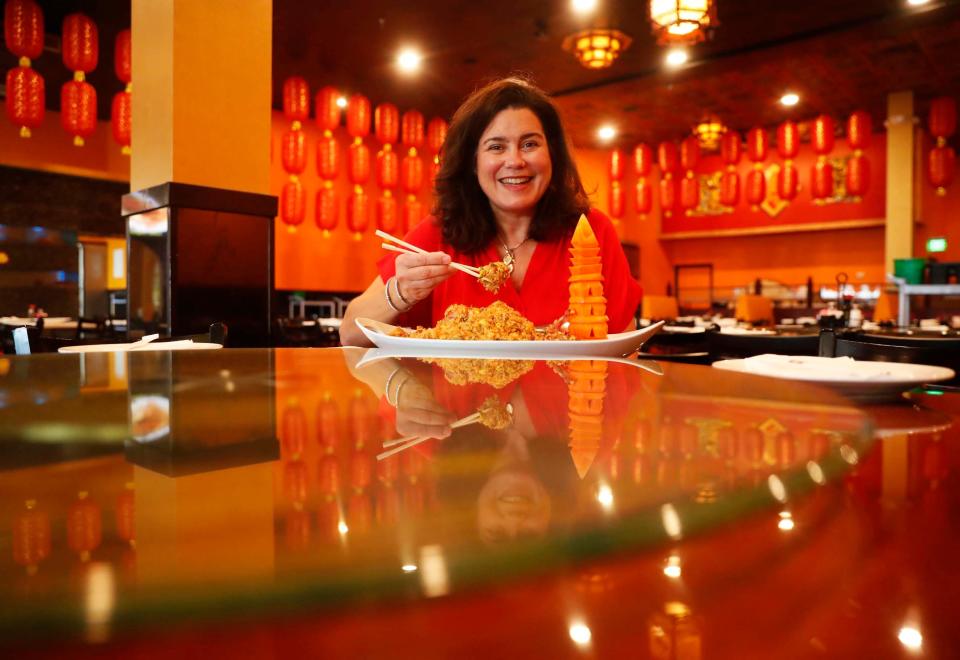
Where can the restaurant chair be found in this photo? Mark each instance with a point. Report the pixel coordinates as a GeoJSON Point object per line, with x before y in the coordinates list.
{"type": "Point", "coordinates": [751, 308]}
{"type": "Point", "coordinates": [834, 344]}
{"type": "Point", "coordinates": [659, 308]}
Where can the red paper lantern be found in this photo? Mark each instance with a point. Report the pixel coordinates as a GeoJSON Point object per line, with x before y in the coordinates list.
{"type": "Point", "coordinates": [293, 203]}
{"type": "Point", "coordinates": [667, 158]}
{"type": "Point", "coordinates": [822, 135]}
{"type": "Point", "coordinates": [436, 134]}
{"type": "Point", "coordinates": [121, 56]}
{"type": "Point", "coordinates": [80, 43]}
{"type": "Point", "coordinates": [858, 175]}
{"type": "Point", "coordinates": [788, 140]}
{"type": "Point", "coordinates": [78, 109]}
{"type": "Point", "coordinates": [615, 169]}
{"type": "Point", "coordinates": [388, 213]}
{"type": "Point", "coordinates": [84, 526]}
{"type": "Point", "coordinates": [689, 194]}
{"type": "Point", "coordinates": [757, 144]}
{"type": "Point", "coordinates": [358, 163]}
{"type": "Point", "coordinates": [31, 537]}
{"type": "Point", "coordinates": [756, 189]}
{"type": "Point", "coordinates": [617, 199]}
{"type": "Point", "coordinates": [386, 123]}
{"type": "Point", "coordinates": [296, 99]}
{"type": "Point", "coordinates": [642, 159]}
{"type": "Point", "coordinates": [940, 167]}
{"type": "Point", "coordinates": [788, 182]}
{"type": "Point", "coordinates": [859, 130]}
{"type": "Point", "coordinates": [730, 188]}
{"type": "Point", "coordinates": [328, 157]}
{"type": "Point", "coordinates": [411, 130]}
{"type": "Point", "coordinates": [23, 28]}
{"type": "Point", "coordinates": [120, 120]}
{"type": "Point", "coordinates": [822, 180]}
{"type": "Point", "coordinates": [412, 213]}
{"type": "Point", "coordinates": [731, 147]}
{"type": "Point", "coordinates": [327, 109]}
{"type": "Point", "coordinates": [411, 174]}
{"type": "Point", "coordinates": [358, 212]}
{"type": "Point", "coordinates": [943, 118]}
{"type": "Point", "coordinates": [668, 196]}
{"type": "Point", "coordinates": [643, 197]}
{"type": "Point", "coordinates": [358, 117]}
{"type": "Point", "coordinates": [388, 169]}
{"type": "Point", "coordinates": [25, 99]}
{"type": "Point", "coordinates": [326, 214]}
{"type": "Point", "coordinates": [293, 152]}
{"type": "Point", "coordinates": [689, 154]}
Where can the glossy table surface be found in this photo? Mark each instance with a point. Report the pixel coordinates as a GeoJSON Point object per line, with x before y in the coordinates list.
{"type": "Point", "coordinates": [257, 503]}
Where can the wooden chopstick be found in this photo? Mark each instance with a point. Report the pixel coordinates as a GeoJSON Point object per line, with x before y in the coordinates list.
{"type": "Point", "coordinates": [413, 249]}
{"type": "Point", "coordinates": [396, 450]}
{"type": "Point", "coordinates": [408, 441]}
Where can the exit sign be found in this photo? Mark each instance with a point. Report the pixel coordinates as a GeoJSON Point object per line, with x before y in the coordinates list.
{"type": "Point", "coordinates": [937, 245]}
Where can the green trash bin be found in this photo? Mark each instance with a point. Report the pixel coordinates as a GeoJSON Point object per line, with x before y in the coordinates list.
{"type": "Point", "coordinates": [910, 270]}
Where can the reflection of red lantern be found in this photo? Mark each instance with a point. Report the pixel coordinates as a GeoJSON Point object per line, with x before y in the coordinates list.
{"type": "Point", "coordinates": [858, 175]}
{"type": "Point", "coordinates": [689, 194]}
{"type": "Point", "coordinates": [358, 116]}
{"type": "Point", "coordinates": [667, 158]}
{"type": "Point", "coordinates": [361, 470]}
{"type": "Point", "coordinates": [788, 140]}
{"type": "Point", "coordinates": [126, 515]}
{"type": "Point", "coordinates": [328, 423]}
{"type": "Point", "coordinates": [358, 212]}
{"type": "Point", "coordinates": [295, 481]}
{"type": "Point", "coordinates": [756, 188]}
{"type": "Point", "coordinates": [293, 431]}
{"type": "Point", "coordinates": [788, 181]}
{"type": "Point", "coordinates": [360, 512]}
{"type": "Point", "coordinates": [293, 203]}
{"type": "Point", "coordinates": [326, 214]}
{"type": "Point", "coordinates": [615, 169]}
{"type": "Point", "coordinates": [328, 476]}
{"type": "Point", "coordinates": [387, 504]}
{"type": "Point", "coordinates": [293, 152]}
{"type": "Point", "coordinates": [940, 165]}
{"type": "Point", "coordinates": [642, 159]}
{"type": "Point", "coordinates": [327, 109]}
{"type": "Point", "coordinates": [296, 99]}
{"type": "Point", "coordinates": [84, 526]}
{"type": "Point", "coordinates": [617, 199]}
{"type": "Point", "coordinates": [386, 123]}
{"type": "Point", "coordinates": [822, 179]}
{"type": "Point", "coordinates": [821, 137]}
{"type": "Point", "coordinates": [23, 33]}
{"type": "Point", "coordinates": [297, 530]}
{"type": "Point", "coordinates": [643, 197]}
{"type": "Point", "coordinates": [730, 188]}
{"type": "Point", "coordinates": [31, 537]}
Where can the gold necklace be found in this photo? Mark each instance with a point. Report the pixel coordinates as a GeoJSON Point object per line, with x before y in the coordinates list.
{"type": "Point", "coordinates": [510, 257]}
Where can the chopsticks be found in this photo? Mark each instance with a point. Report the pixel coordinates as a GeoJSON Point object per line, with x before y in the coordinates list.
{"type": "Point", "coordinates": [401, 444]}
{"type": "Point", "coordinates": [413, 249]}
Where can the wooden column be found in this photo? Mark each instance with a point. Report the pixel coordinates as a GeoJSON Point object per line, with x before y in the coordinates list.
{"type": "Point", "coordinates": [201, 80]}
{"type": "Point", "coordinates": [898, 238]}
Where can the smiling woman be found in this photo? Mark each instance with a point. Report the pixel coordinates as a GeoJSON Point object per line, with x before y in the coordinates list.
{"type": "Point", "coordinates": [507, 191]}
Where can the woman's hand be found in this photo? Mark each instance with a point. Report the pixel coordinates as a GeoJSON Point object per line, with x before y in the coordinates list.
{"type": "Point", "coordinates": [419, 274]}
{"type": "Point", "coordinates": [418, 413]}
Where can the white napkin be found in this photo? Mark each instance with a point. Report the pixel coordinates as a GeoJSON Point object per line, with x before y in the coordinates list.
{"type": "Point", "coordinates": [746, 331]}
{"type": "Point", "coordinates": [803, 367]}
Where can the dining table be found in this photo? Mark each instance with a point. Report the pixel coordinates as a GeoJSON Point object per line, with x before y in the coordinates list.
{"type": "Point", "coordinates": [349, 502]}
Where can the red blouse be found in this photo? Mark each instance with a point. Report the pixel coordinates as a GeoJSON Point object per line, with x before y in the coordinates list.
{"type": "Point", "coordinates": [543, 296]}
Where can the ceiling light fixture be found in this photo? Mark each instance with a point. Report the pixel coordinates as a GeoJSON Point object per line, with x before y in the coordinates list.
{"type": "Point", "coordinates": [595, 48]}
{"type": "Point", "coordinates": [409, 60]}
{"type": "Point", "coordinates": [789, 99]}
{"type": "Point", "coordinates": [682, 21]}
{"type": "Point", "coordinates": [917, 3]}
{"type": "Point", "coordinates": [709, 131]}
{"type": "Point", "coordinates": [676, 57]}
{"type": "Point", "coordinates": [583, 6]}
{"type": "Point", "coordinates": [607, 133]}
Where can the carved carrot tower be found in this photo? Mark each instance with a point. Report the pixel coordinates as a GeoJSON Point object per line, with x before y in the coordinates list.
{"type": "Point", "coordinates": [586, 391]}
{"type": "Point", "coordinates": [588, 306]}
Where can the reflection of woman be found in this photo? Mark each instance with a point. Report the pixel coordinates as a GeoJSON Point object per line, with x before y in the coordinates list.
{"type": "Point", "coordinates": [508, 190]}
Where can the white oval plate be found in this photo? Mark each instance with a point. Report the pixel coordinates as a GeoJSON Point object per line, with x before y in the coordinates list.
{"type": "Point", "coordinates": [616, 345]}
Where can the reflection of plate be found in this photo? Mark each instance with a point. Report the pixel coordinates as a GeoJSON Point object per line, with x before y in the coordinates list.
{"type": "Point", "coordinates": [149, 417]}
{"type": "Point", "coordinates": [684, 329]}
{"type": "Point", "coordinates": [616, 345]}
{"type": "Point", "coordinates": [154, 346]}
{"type": "Point", "coordinates": [852, 377]}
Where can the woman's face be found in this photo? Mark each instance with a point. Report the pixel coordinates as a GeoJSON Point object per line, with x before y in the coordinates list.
{"type": "Point", "coordinates": [513, 163]}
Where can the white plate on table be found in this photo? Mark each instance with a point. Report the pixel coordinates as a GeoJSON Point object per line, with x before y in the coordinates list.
{"type": "Point", "coordinates": [859, 378]}
{"type": "Point", "coordinates": [615, 345]}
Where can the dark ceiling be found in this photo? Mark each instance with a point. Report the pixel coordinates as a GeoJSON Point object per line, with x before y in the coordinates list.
{"type": "Point", "coordinates": [839, 55]}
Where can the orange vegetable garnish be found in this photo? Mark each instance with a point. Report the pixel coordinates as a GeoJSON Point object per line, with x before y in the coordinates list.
{"type": "Point", "coordinates": [588, 306]}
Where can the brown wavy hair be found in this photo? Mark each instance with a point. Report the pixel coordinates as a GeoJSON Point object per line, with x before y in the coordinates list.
{"type": "Point", "coordinates": [462, 208]}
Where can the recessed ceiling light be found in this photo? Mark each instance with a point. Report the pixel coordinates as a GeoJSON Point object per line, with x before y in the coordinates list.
{"type": "Point", "coordinates": [409, 60]}
{"type": "Point", "coordinates": [917, 3]}
{"type": "Point", "coordinates": [676, 57]}
{"type": "Point", "coordinates": [607, 133]}
{"type": "Point", "coordinates": [341, 101]}
{"type": "Point", "coordinates": [583, 6]}
{"type": "Point", "coordinates": [789, 99]}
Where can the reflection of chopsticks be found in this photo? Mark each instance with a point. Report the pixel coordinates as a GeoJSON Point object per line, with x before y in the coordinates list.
{"type": "Point", "coordinates": [411, 249]}
{"type": "Point", "coordinates": [413, 440]}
